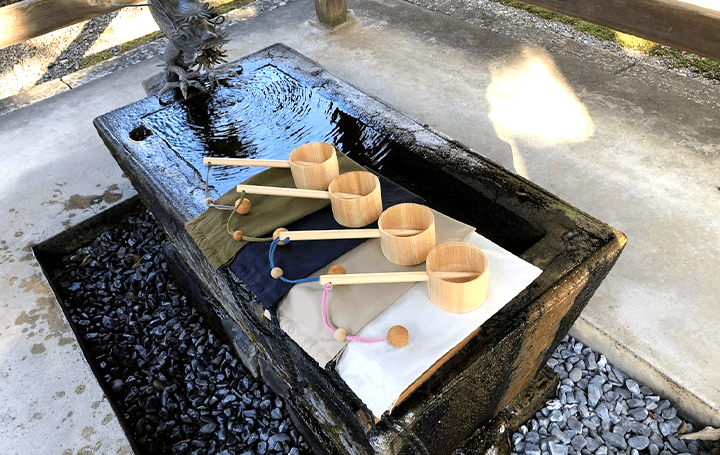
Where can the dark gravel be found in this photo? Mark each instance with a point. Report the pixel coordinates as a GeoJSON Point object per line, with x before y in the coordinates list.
{"type": "Point", "coordinates": [178, 387]}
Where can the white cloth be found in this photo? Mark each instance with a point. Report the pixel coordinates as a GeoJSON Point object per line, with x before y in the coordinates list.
{"type": "Point", "coordinates": [379, 373]}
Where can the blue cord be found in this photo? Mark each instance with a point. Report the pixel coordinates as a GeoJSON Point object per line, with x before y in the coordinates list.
{"type": "Point", "coordinates": [274, 245]}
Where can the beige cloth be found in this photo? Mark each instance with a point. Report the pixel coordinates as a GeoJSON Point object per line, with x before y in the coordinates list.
{"type": "Point", "coordinates": [351, 307]}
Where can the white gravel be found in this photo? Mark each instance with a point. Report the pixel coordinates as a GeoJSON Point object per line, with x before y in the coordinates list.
{"type": "Point", "coordinates": [600, 410]}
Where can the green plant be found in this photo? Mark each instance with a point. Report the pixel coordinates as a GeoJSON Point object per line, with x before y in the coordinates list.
{"type": "Point", "coordinates": [634, 42]}
{"type": "Point", "coordinates": [595, 30]}
{"type": "Point", "coordinates": [95, 59]}
{"type": "Point", "coordinates": [224, 6]}
{"type": "Point", "coordinates": [676, 58]}
{"type": "Point", "coordinates": [577, 24]}
{"type": "Point", "coordinates": [540, 12]}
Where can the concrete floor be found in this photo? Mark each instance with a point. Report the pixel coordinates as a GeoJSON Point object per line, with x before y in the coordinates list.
{"type": "Point", "coordinates": [633, 145]}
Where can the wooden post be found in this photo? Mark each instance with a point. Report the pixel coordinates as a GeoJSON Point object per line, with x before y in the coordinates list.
{"type": "Point", "coordinates": [331, 12]}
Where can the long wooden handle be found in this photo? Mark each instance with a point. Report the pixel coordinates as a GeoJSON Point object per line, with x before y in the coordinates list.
{"type": "Point", "coordinates": [246, 162]}
{"type": "Point", "coordinates": [332, 234]}
{"type": "Point", "coordinates": [280, 191]}
{"type": "Point", "coordinates": [293, 192]}
{"type": "Point", "coordinates": [393, 277]}
{"type": "Point", "coordinates": [368, 278]}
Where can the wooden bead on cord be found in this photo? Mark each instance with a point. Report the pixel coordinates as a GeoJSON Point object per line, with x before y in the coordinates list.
{"type": "Point", "coordinates": [243, 207]}
{"type": "Point", "coordinates": [398, 336]}
{"type": "Point", "coordinates": [276, 272]}
{"type": "Point", "coordinates": [277, 234]}
{"type": "Point", "coordinates": [337, 270]}
{"type": "Point", "coordinates": [208, 201]}
{"type": "Point", "coordinates": [238, 235]}
{"type": "Point", "coordinates": [340, 334]}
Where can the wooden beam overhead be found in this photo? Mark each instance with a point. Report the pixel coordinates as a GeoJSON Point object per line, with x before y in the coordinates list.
{"type": "Point", "coordinates": [670, 22]}
{"type": "Point", "coordinates": [30, 18]}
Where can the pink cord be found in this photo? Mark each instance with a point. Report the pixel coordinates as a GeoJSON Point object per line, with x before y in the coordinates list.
{"type": "Point", "coordinates": [325, 311]}
{"type": "Point", "coordinates": [326, 319]}
{"type": "Point", "coordinates": [365, 339]}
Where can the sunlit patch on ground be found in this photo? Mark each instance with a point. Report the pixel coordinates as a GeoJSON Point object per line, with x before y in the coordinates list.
{"type": "Point", "coordinates": [529, 98]}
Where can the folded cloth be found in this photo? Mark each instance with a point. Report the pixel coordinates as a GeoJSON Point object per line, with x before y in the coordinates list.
{"type": "Point", "coordinates": [352, 307]}
{"type": "Point", "coordinates": [299, 259]}
{"type": "Point", "coordinates": [381, 375]}
{"type": "Point", "coordinates": [210, 229]}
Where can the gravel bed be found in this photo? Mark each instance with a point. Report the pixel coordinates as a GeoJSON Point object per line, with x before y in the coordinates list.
{"type": "Point", "coordinates": [181, 390]}
{"type": "Point", "coordinates": [176, 384]}
{"type": "Point", "coordinates": [599, 410]}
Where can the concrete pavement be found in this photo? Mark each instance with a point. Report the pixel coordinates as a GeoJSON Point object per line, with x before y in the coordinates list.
{"type": "Point", "coordinates": [633, 145]}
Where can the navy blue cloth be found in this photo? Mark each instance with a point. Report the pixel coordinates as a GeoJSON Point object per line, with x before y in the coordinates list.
{"type": "Point", "coordinates": [301, 258]}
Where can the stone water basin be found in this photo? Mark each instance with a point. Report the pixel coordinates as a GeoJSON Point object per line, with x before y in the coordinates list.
{"type": "Point", "coordinates": [277, 100]}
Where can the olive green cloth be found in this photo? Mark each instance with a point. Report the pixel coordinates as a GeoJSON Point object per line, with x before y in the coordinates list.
{"type": "Point", "coordinates": [210, 231]}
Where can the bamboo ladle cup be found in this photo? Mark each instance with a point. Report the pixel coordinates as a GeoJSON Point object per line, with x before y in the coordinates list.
{"type": "Point", "coordinates": [354, 197]}
{"type": "Point", "coordinates": [313, 165]}
{"type": "Point", "coordinates": [456, 272]}
{"type": "Point", "coordinates": [406, 232]}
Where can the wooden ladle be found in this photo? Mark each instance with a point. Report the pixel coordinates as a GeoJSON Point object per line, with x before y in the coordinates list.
{"type": "Point", "coordinates": [354, 197]}
{"type": "Point", "coordinates": [406, 232]}
{"type": "Point", "coordinates": [457, 275]}
{"type": "Point", "coordinates": [313, 165]}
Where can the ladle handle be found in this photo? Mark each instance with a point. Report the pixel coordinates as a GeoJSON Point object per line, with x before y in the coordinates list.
{"type": "Point", "coordinates": [332, 234]}
{"type": "Point", "coordinates": [368, 278]}
{"type": "Point", "coordinates": [293, 192]}
{"type": "Point", "coordinates": [246, 162]}
{"type": "Point", "coordinates": [393, 277]}
{"type": "Point", "coordinates": [281, 191]}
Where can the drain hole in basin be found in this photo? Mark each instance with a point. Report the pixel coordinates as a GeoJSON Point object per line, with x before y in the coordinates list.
{"type": "Point", "coordinates": [140, 133]}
